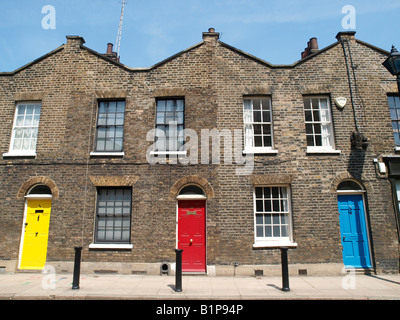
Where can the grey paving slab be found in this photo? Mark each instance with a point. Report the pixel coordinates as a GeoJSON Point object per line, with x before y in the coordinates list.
{"type": "Point", "coordinates": [38, 286]}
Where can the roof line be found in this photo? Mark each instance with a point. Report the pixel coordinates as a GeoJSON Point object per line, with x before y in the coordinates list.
{"type": "Point", "coordinates": [11, 73]}
{"type": "Point", "coordinates": [278, 66]}
{"type": "Point", "coordinates": [241, 52]}
{"type": "Point", "coordinates": [158, 64]}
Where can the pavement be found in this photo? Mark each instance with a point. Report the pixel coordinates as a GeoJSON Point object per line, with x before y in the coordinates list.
{"type": "Point", "coordinates": [38, 286]}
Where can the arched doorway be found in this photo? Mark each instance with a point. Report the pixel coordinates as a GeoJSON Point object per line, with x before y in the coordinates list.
{"type": "Point", "coordinates": [35, 229]}
{"type": "Point", "coordinates": [353, 225]}
{"type": "Point", "coordinates": [191, 228]}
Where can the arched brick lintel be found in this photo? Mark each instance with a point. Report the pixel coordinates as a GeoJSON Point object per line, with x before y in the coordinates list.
{"type": "Point", "coordinates": [191, 180]}
{"type": "Point", "coordinates": [360, 179]}
{"type": "Point", "coordinates": [36, 181]}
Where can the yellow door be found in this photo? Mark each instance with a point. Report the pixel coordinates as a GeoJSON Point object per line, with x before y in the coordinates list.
{"type": "Point", "coordinates": [36, 231]}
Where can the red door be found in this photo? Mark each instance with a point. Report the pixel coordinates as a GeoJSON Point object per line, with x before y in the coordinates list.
{"type": "Point", "coordinates": [191, 234]}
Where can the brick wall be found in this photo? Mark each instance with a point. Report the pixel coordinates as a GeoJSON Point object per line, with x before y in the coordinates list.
{"type": "Point", "coordinates": [213, 78]}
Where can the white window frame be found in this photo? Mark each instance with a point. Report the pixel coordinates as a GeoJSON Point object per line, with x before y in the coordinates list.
{"type": "Point", "coordinates": [394, 108]}
{"type": "Point", "coordinates": [325, 125]}
{"type": "Point", "coordinates": [168, 130]}
{"type": "Point", "coordinates": [106, 126]}
{"type": "Point", "coordinates": [32, 151]}
{"type": "Point", "coordinates": [272, 242]}
{"type": "Point", "coordinates": [248, 121]}
{"type": "Point", "coordinates": [102, 242]}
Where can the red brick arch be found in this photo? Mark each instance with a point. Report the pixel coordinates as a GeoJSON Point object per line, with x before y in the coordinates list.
{"type": "Point", "coordinates": [36, 181]}
{"type": "Point", "coordinates": [191, 180]}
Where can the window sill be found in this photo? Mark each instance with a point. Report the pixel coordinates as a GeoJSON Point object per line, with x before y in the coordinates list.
{"type": "Point", "coordinates": [397, 149]}
{"type": "Point", "coordinates": [14, 154]}
{"type": "Point", "coordinates": [274, 244]}
{"type": "Point", "coordinates": [110, 246]}
{"type": "Point", "coordinates": [259, 151]}
{"type": "Point", "coordinates": [179, 153]}
{"type": "Point", "coordinates": [316, 150]}
{"type": "Point", "coordinates": [107, 154]}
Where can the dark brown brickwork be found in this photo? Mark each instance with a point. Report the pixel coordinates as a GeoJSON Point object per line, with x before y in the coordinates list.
{"type": "Point", "coordinates": [213, 78]}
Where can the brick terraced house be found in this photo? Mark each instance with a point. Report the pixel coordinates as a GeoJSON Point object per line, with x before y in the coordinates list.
{"type": "Point", "coordinates": [212, 150]}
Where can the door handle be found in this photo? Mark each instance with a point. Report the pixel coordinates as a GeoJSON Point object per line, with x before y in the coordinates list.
{"type": "Point", "coordinates": [191, 241]}
{"type": "Point", "coordinates": [344, 237]}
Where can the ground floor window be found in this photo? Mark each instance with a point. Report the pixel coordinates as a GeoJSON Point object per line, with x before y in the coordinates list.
{"type": "Point", "coordinates": [272, 213]}
{"type": "Point", "coordinates": [113, 215]}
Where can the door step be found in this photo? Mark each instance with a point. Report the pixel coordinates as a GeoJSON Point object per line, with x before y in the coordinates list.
{"type": "Point", "coordinates": [194, 273]}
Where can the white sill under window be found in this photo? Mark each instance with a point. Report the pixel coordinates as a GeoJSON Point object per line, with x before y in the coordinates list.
{"type": "Point", "coordinates": [161, 153]}
{"type": "Point", "coordinates": [106, 154]}
{"type": "Point", "coordinates": [110, 246]}
{"type": "Point", "coordinates": [259, 150]}
{"type": "Point", "coordinates": [31, 153]}
{"type": "Point", "coordinates": [322, 150]}
{"type": "Point", "coordinates": [274, 244]}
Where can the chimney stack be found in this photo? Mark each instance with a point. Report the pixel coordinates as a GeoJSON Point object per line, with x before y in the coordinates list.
{"type": "Point", "coordinates": [312, 47]}
{"type": "Point", "coordinates": [110, 53]}
{"type": "Point", "coordinates": [211, 35]}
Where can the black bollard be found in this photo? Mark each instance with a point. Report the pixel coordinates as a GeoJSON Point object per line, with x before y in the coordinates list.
{"type": "Point", "coordinates": [178, 271]}
{"type": "Point", "coordinates": [77, 268]}
{"type": "Point", "coordinates": [285, 269]}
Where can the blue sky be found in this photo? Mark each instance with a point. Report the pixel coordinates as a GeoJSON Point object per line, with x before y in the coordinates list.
{"type": "Point", "coordinates": [276, 31]}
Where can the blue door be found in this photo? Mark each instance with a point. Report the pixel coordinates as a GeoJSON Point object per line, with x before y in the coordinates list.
{"type": "Point", "coordinates": [353, 229]}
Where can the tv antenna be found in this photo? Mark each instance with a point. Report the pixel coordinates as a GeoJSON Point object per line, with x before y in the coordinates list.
{"type": "Point", "coordinates": [119, 35]}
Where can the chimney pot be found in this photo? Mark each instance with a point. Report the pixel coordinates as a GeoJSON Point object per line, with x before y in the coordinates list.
{"type": "Point", "coordinates": [211, 30]}
{"type": "Point", "coordinates": [109, 47]}
{"type": "Point", "coordinates": [313, 44]}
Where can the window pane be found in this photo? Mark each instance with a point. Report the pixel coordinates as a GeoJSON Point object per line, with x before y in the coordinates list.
{"type": "Point", "coordinates": [256, 104]}
{"type": "Point", "coordinates": [267, 141]}
{"type": "Point", "coordinates": [268, 206]}
{"type": "Point", "coordinates": [258, 142]}
{"type": "Point", "coordinates": [267, 192]}
{"type": "Point", "coordinates": [109, 145]}
{"type": "Point", "coordinates": [119, 119]}
{"type": "Point", "coordinates": [318, 141]}
{"type": "Point", "coordinates": [259, 206]}
{"type": "Point", "coordinates": [265, 104]}
{"type": "Point", "coordinates": [112, 107]}
{"type": "Point", "coordinates": [100, 146]}
{"type": "Point", "coordinates": [29, 109]}
{"type": "Point", "coordinates": [268, 231]}
{"type": "Point", "coordinates": [170, 105]}
{"type": "Point", "coordinates": [307, 104]}
{"type": "Point", "coordinates": [257, 116]}
{"type": "Point", "coordinates": [284, 231]}
{"type": "Point", "coordinates": [259, 231]}
{"type": "Point", "coordinates": [179, 105]}
{"type": "Point", "coordinates": [310, 141]}
{"type": "Point", "coordinates": [277, 231]}
{"type": "Point", "coordinates": [259, 192]}
{"type": "Point", "coordinates": [121, 106]}
{"type": "Point", "coordinates": [308, 115]}
{"type": "Point", "coordinates": [257, 129]}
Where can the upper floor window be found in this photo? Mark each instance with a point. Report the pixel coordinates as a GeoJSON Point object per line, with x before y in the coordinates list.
{"type": "Point", "coordinates": [170, 124]}
{"type": "Point", "coordinates": [110, 126]}
{"type": "Point", "coordinates": [394, 107]}
{"type": "Point", "coordinates": [257, 115]}
{"type": "Point", "coordinates": [319, 129]}
{"type": "Point", "coordinates": [25, 129]}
